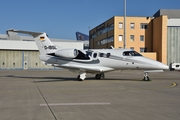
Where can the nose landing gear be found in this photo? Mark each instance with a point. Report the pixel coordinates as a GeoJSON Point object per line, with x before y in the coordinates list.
{"type": "Point", "coordinates": [146, 78]}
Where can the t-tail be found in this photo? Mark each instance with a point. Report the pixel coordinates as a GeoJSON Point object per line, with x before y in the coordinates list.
{"type": "Point", "coordinates": [44, 44]}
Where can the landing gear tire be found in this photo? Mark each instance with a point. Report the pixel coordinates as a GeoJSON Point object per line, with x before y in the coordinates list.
{"type": "Point", "coordinates": [146, 78]}
{"type": "Point", "coordinates": [79, 79]}
{"type": "Point", "coordinates": [99, 76]}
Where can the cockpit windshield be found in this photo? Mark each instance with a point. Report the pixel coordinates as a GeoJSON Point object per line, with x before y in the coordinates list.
{"type": "Point", "coordinates": [131, 53]}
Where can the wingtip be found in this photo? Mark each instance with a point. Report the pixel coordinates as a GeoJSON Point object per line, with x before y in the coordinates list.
{"type": "Point", "coordinates": [10, 30]}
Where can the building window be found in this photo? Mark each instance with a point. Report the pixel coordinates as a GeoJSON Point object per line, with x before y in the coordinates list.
{"type": "Point", "coordinates": [110, 39]}
{"type": "Point", "coordinates": [120, 37]}
{"type": "Point", "coordinates": [111, 27]}
{"type": "Point", "coordinates": [143, 25]}
{"type": "Point", "coordinates": [143, 49]}
{"type": "Point", "coordinates": [93, 35]}
{"type": "Point", "coordinates": [132, 48]}
{"type": "Point", "coordinates": [132, 25]}
{"type": "Point", "coordinates": [105, 41]}
{"type": "Point", "coordinates": [141, 38]}
{"type": "Point", "coordinates": [120, 25]}
{"type": "Point", "coordinates": [132, 37]}
{"type": "Point", "coordinates": [98, 42]}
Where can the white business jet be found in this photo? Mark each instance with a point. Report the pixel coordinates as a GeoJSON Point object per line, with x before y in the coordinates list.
{"type": "Point", "coordinates": [95, 61]}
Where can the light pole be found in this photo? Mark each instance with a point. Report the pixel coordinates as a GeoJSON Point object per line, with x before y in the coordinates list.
{"type": "Point", "coordinates": [124, 23]}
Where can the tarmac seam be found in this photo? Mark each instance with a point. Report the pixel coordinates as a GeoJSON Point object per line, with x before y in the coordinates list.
{"type": "Point", "coordinates": [75, 104]}
{"type": "Point", "coordinates": [44, 99]}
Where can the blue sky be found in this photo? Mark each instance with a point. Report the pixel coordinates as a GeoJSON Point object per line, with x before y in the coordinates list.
{"type": "Point", "coordinates": [62, 18]}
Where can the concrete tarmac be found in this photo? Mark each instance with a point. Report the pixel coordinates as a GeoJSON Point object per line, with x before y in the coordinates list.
{"type": "Point", "coordinates": [56, 94]}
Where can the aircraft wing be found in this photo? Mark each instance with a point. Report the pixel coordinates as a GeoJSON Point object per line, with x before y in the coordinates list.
{"type": "Point", "coordinates": [85, 68]}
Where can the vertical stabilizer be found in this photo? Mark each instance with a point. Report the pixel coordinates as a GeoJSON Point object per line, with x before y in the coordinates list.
{"type": "Point", "coordinates": [44, 44]}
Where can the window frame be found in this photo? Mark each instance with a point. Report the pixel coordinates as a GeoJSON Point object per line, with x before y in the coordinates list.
{"type": "Point", "coordinates": [120, 36]}
{"type": "Point", "coordinates": [132, 25]}
{"type": "Point", "coordinates": [120, 25]}
{"type": "Point", "coordinates": [143, 49]}
{"type": "Point", "coordinates": [143, 26]}
{"type": "Point", "coordinates": [132, 36]}
{"type": "Point", "coordinates": [142, 36]}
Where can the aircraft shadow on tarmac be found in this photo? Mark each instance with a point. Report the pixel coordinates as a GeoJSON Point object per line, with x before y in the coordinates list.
{"type": "Point", "coordinates": [58, 79]}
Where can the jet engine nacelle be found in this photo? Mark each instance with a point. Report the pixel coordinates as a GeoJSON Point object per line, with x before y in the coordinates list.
{"type": "Point", "coordinates": [67, 53]}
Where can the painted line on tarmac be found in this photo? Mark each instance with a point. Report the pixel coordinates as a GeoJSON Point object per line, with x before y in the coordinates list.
{"type": "Point", "coordinates": [73, 104]}
{"type": "Point", "coordinates": [173, 85]}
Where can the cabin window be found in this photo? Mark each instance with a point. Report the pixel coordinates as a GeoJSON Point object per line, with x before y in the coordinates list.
{"type": "Point", "coordinates": [95, 55]}
{"type": "Point", "coordinates": [108, 55]}
{"type": "Point", "coordinates": [101, 54]}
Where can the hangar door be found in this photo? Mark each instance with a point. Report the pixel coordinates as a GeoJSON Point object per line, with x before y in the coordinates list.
{"type": "Point", "coordinates": [173, 45]}
{"type": "Point", "coordinates": [11, 59]}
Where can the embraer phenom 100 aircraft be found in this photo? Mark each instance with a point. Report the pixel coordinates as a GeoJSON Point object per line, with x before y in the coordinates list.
{"type": "Point", "coordinates": [95, 61]}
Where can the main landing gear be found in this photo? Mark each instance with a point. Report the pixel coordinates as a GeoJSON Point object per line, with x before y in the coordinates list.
{"type": "Point", "coordinates": [99, 76]}
{"type": "Point", "coordinates": [82, 76]}
{"type": "Point", "coordinates": [146, 78]}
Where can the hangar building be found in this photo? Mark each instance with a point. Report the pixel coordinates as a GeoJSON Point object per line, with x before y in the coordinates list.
{"type": "Point", "coordinates": [21, 52]}
{"type": "Point", "coordinates": [156, 37]}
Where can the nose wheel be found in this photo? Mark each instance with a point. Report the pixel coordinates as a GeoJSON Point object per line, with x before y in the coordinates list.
{"type": "Point", "coordinates": [146, 78]}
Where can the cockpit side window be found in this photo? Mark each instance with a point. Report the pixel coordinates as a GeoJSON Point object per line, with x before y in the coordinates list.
{"type": "Point", "coordinates": [82, 56]}
{"type": "Point", "coordinates": [131, 53]}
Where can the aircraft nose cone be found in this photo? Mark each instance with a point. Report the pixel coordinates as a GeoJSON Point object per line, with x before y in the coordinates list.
{"type": "Point", "coordinates": [163, 66]}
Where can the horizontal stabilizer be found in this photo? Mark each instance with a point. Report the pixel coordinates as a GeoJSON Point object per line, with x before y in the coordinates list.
{"type": "Point", "coordinates": [34, 34]}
